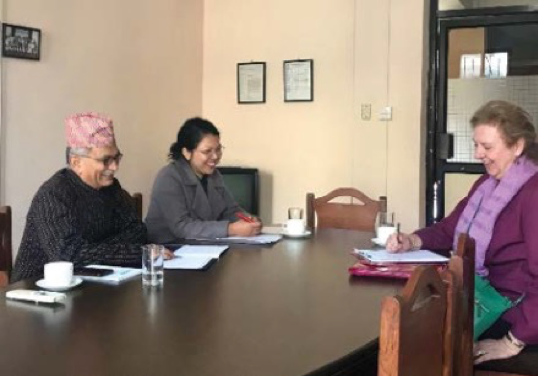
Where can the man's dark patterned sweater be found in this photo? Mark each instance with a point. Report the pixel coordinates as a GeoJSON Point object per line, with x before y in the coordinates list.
{"type": "Point", "coordinates": [71, 221]}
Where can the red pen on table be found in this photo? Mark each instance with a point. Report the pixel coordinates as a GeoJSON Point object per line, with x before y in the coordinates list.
{"type": "Point", "coordinates": [243, 216]}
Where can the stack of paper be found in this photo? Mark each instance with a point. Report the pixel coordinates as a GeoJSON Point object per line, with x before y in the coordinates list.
{"type": "Point", "coordinates": [119, 275]}
{"type": "Point", "coordinates": [261, 239]}
{"type": "Point", "coordinates": [194, 257]}
{"type": "Point", "coordinates": [384, 256]}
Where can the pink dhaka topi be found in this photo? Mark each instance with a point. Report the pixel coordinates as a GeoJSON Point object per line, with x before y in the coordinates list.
{"type": "Point", "coordinates": [88, 130]}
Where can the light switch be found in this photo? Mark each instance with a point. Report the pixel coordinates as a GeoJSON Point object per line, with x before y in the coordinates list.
{"type": "Point", "coordinates": [386, 113]}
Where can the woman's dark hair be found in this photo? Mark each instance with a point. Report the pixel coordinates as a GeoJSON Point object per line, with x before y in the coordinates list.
{"type": "Point", "coordinates": [190, 135]}
{"type": "Point", "coordinates": [513, 122]}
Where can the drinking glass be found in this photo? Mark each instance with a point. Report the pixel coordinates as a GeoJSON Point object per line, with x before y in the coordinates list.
{"type": "Point", "coordinates": [153, 265]}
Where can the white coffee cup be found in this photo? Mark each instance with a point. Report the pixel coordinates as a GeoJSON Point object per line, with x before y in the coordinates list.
{"type": "Point", "coordinates": [58, 274]}
{"type": "Point", "coordinates": [383, 233]}
{"type": "Point", "coordinates": [295, 227]}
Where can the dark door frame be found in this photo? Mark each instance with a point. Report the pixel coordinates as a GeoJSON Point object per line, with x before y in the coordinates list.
{"type": "Point", "coordinates": [440, 23]}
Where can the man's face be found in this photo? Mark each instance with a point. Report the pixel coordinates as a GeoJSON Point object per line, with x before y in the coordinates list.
{"type": "Point", "coordinates": [97, 169]}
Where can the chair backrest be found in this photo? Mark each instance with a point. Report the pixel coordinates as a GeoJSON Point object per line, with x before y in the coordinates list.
{"type": "Point", "coordinates": [342, 215]}
{"type": "Point", "coordinates": [413, 336]}
{"type": "Point", "coordinates": [137, 198]}
{"type": "Point", "coordinates": [5, 245]}
{"type": "Point", "coordinates": [462, 264]}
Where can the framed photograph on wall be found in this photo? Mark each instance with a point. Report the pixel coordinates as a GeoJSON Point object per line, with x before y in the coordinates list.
{"type": "Point", "coordinates": [251, 83]}
{"type": "Point", "coordinates": [299, 80]}
{"type": "Point", "coordinates": [21, 42]}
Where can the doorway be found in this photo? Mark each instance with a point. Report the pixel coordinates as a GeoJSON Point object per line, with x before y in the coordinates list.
{"type": "Point", "coordinates": [477, 55]}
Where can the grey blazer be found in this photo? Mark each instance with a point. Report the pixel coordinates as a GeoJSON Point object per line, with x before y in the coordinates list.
{"type": "Point", "coordinates": [179, 207]}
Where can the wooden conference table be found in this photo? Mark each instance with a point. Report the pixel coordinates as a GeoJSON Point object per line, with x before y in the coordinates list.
{"type": "Point", "coordinates": [287, 309]}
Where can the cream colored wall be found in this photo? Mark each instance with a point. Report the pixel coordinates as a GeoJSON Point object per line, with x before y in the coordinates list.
{"type": "Point", "coordinates": [320, 145]}
{"type": "Point", "coordinates": [142, 63]}
{"type": "Point", "coordinates": [138, 61]}
{"type": "Point", "coordinates": [457, 187]}
{"type": "Point", "coordinates": [391, 70]}
{"type": "Point", "coordinates": [298, 147]}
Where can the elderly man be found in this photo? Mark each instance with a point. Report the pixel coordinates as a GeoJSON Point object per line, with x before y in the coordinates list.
{"type": "Point", "coordinates": [81, 214]}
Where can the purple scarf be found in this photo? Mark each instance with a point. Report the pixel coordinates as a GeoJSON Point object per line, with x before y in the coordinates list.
{"type": "Point", "coordinates": [486, 204]}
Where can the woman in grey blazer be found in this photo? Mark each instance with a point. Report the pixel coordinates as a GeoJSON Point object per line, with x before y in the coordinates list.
{"type": "Point", "coordinates": [189, 198]}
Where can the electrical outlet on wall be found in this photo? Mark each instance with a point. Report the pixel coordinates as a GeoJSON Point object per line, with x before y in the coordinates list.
{"type": "Point", "coordinates": [366, 111]}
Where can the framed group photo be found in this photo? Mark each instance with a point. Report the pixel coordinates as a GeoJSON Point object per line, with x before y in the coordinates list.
{"type": "Point", "coordinates": [21, 42]}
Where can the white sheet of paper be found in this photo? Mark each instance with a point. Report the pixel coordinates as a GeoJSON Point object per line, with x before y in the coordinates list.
{"type": "Point", "coordinates": [418, 256]}
{"type": "Point", "coordinates": [260, 239]}
{"type": "Point", "coordinates": [213, 251]}
{"type": "Point", "coordinates": [187, 263]}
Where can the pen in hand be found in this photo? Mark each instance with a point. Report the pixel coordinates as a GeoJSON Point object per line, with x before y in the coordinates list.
{"type": "Point", "coordinates": [398, 238]}
{"type": "Point", "coordinates": [243, 217]}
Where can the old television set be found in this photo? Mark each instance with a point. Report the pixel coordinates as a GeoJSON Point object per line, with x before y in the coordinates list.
{"type": "Point", "coordinates": [243, 183]}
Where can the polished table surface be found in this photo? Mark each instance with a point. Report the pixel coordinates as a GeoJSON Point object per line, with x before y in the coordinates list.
{"type": "Point", "coordinates": [287, 309]}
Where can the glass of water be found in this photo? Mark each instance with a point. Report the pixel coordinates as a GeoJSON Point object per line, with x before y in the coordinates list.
{"type": "Point", "coordinates": [294, 213]}
{"type": "Point", "coordinates": [153, 265]}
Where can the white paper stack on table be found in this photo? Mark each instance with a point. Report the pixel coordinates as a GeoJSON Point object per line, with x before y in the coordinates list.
{"type": "Point", "coordinates": [384, 256]}
{"type": "Point", "coordinates": [262, 239]}
{"type": "Point", "coordinates": [119, 274]}
{"type": "Point", "coordinates": [194, 257]}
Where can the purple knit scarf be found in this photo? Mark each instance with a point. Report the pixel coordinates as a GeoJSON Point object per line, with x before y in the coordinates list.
{"type": "Point", "coordinates": [485, 205]}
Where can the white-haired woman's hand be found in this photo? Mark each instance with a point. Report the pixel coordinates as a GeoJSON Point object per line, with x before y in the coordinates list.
{"type": "Point", "coordinates": [400, 242]}
{"type": "Point", "coordinates": [496, 349]}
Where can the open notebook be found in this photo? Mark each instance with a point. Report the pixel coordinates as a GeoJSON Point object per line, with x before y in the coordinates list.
{"type": "Point", "coordinates": [384, 256]}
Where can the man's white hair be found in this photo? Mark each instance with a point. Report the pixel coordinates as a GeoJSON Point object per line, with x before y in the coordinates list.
{"type": "Point", "coordinates": [75, 152]}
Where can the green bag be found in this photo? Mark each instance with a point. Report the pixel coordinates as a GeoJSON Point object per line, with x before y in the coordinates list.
{"type": "Point", "coordinates": [489, 305]}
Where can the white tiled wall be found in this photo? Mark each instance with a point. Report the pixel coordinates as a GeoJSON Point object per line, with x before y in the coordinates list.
{"type": "Point", "coordinates": [465, 96]}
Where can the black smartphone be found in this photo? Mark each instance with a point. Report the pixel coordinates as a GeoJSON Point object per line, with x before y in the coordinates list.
{"type": "Point", "coordinates": [84, 271]}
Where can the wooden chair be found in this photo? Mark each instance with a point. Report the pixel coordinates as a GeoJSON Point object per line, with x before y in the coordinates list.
{"type": "Point", "coordinates": [463, 266]}
{"type": "Point", "coordinates": [5, 245]}
{"type": "Point", "coordinates": [414, 336]}
{"type": "Point", "coordinates": [137, 199]}
{"type": "Point", "coordinates": [342, 215]}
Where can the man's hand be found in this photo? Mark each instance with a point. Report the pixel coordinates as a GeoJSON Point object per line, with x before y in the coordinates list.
{"type": "Point", "coordinates": [168, 254]}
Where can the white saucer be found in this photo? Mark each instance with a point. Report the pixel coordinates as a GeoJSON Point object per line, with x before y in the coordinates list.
{"type": "Point", "coordinates": [74, 282]}
{"type": "Point", "coordinates": [306, 234]}
{"type": "Point", "coordinates": [378, 242]}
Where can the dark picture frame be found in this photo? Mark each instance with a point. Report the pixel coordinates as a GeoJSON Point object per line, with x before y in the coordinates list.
{"type": "Point", "coordinates": [299, 80]}
{"type": "Point", "coordinates": [251, 82]}
{"type": "Point", "coordinates": [21, 42]}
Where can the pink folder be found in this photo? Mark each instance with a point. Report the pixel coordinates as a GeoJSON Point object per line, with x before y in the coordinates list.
{"type": "Point", "coordinates": [392, 270]}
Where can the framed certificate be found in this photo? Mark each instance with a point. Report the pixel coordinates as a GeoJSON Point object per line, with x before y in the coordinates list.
{"type": "Point", "coordinates": [298, 80]}
{"type": "Point", "coordinates": [251, 82]}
